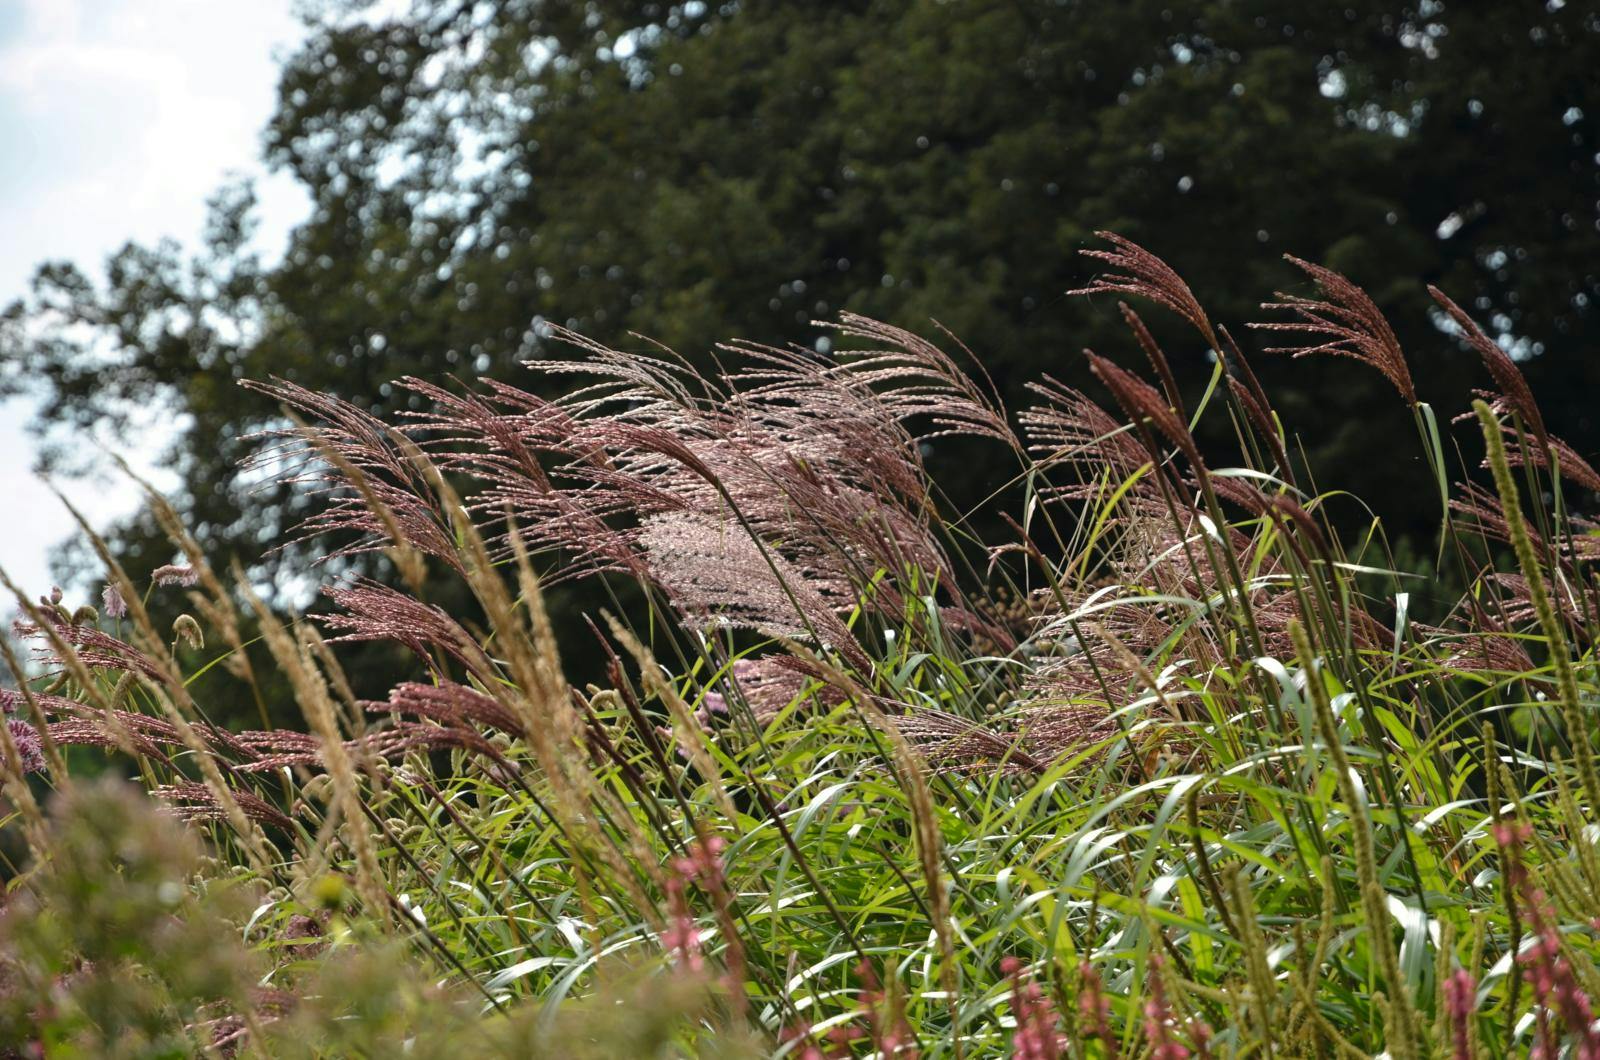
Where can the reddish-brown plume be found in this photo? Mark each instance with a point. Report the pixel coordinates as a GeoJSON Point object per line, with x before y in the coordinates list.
{"type": "Point", "coordinates": [1070, 429]}
{"type": "Point", "coordinates": [1573, 467]}
{"type": "Point", "coordinates": [1507, 376]}
{"type": "Point", "coordinates": [1157, 358]}
{"type": "Point", "coordinates": [1346, 322]}
{"type": "Point", "coordinates": [392, 485]}
{"type": "Point", "coordinates": [1139, 272]}
{"type": "Point", "coordinates": [196, 802]}
{"type": "Point", "coordinates": [1140, 400]}
{"type": "Point", "coordinates": [965, 745]}
{"type": "Point", "coordinates": [815, 457]}
{"type": "Point", "coordinates": [448, 703]}
{"type": "Point", "coordinates": [372, 612]}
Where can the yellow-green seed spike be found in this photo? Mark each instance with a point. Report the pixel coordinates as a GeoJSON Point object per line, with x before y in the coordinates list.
{"type": "Point", "coordinates": [1400, 1013]}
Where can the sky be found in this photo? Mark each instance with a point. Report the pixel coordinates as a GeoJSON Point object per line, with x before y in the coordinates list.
{"type": "Point", "coordinates": [118, 119]}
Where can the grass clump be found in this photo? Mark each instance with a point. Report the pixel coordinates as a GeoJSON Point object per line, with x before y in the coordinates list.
{"type": "Point", "coordinates": [1172, 770]}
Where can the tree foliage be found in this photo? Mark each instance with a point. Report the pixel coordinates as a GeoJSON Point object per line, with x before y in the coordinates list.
{"type": "Point", "coordinates": [689, 171]}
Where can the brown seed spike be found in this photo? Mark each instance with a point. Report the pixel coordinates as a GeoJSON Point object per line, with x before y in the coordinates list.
{"type": "Point", "coordinates": [1507, 376]}
{"type": "Point", "coordinates": [1139, 272]}
{"type": "Point", "coordinates": [1158, 359]}
{"type": "Point", "coordinates": [1302, 520]}
{"type": "Point", "coordinates": [1347, 322]}
{"type": "Point", "coordinates": [1140, 400]}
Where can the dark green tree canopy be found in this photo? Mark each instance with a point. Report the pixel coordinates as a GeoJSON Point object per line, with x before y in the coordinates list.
{"type": "Point", "coordinates": [692, 172]}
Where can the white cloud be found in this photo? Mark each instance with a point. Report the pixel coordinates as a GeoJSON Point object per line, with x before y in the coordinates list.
{"type": "Point", "coordinates": [52, 19]}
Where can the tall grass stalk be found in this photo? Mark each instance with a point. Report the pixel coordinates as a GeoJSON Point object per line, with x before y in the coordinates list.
{"type": "Point", "coordinates": [1175, 769]}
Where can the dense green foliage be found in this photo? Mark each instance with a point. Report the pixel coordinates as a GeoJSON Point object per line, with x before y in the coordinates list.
{"type": "Point", "coordinates": [694, 171]}
{"type": "Point", "coordinates": [1191, 781]}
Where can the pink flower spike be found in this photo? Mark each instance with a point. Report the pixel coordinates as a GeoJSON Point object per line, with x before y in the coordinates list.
{"type": "Point", "coordinates": [112, 603]}
{"type": "Point", "coordinates": [681, 936]}
{"type": "Point", "coordinates": [1460, 994]}
{"type": "Point", "coordinates": [1158, 1018]}
{"type": "Point", "coordinates": [1036, 1036]}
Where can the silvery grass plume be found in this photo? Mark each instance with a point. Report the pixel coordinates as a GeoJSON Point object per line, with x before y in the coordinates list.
{"type": "Point", "coordinates": [714, 571]}
{"type": "Point", "coordinates": [813, 458]}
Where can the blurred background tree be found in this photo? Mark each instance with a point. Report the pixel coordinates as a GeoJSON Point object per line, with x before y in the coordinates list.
{"type": "Point", "coordinates": [693, 172]}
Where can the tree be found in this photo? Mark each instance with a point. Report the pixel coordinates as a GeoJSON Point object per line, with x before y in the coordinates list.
{"type": "Point", "coordinates": [693, 172]}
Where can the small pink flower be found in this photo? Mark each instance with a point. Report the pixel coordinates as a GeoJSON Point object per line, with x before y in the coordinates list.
{"type": "Point", "coordinates": [681, 937]}
{"type": "Point", "coordinates": [112, 603]}
{"type": "Point", "coordinates": [704, 862]}
{"type": "Point", "coordinates": [173, 574]}
{"type": "Point", "coordinates": [887, 1028]}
